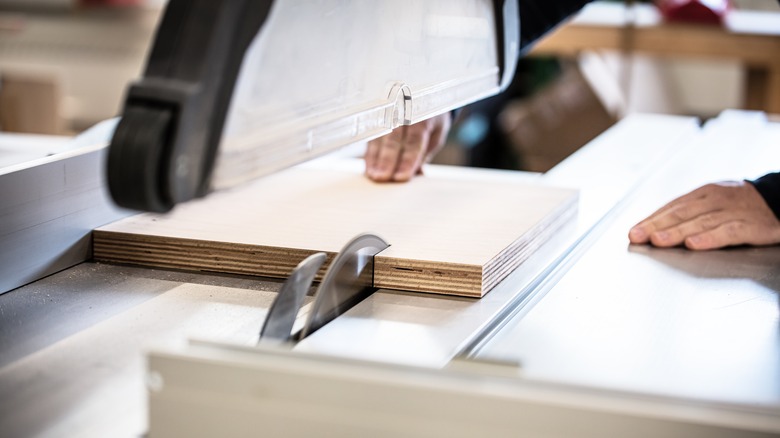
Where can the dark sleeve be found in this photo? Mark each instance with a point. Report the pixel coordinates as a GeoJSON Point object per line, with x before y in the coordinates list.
{"type": "Point", "coordinates": [537, 17]}
{"type": "Point", "coordinates": [769, 188]}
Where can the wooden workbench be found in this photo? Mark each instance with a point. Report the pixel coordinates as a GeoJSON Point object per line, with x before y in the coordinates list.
{"type": "Point", "coordinates": [750, 38]}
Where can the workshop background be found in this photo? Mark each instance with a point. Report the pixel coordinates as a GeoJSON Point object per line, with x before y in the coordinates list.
{"type": "Point", "coordinates": [64, 66]}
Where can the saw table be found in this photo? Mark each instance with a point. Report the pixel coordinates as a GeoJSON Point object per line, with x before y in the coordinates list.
{"type": "Point", "coordinates": [589, 337]}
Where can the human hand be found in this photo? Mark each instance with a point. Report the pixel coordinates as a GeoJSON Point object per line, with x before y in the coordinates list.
{"type": "Point", "coordinates": [710, 217]}
{"type": "Point", "coordinates": [401, 154]}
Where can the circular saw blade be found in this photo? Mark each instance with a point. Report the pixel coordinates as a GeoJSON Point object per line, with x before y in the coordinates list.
{"type": "Point", "coordinates": [280, 319]}
{"type": "Point", "coordinates": [349, 280]}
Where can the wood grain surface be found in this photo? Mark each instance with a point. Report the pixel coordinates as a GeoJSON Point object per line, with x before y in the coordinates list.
{"type": "Point", "coordinates": [447, 236]}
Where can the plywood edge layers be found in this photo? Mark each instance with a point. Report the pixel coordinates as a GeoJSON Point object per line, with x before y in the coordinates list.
{"type": "Point", "coordinates": [426, 276]}
{"type": "Point", "coordinates": [199, 255]}
{"type": "Point", "coordinates": [507, 260]}
{"type": "Point", "coordinates": [232, 258]}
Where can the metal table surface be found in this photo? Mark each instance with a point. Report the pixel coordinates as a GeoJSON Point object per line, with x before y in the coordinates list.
{"type": "Point", "coordinates": [73, 343]}
{"type": "Point", "coordinates": [696, 325]}
{"type": "Point", "coordinates": [76, 342]}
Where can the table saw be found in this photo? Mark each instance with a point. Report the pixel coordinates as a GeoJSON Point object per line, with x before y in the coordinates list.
{"type": "Point", "coordinates": [588, 337]}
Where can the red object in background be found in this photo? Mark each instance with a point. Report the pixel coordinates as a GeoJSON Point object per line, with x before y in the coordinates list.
{"type": "Point", "coordinates": [694, 11]}
{"type": "Point", "coordinates": [110, 2]}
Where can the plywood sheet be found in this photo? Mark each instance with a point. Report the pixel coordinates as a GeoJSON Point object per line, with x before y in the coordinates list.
{"type": "Point", "coordinates": [446, 235]}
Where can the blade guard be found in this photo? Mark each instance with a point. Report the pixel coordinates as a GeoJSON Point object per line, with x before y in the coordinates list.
{"type": "Point", "coordinates": [185, 107]}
